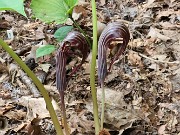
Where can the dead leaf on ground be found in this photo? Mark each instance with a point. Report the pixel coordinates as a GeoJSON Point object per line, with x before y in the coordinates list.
{"type": "Point", "coordinates": [134, 59]}
{"type": "Point", "coordinates": [36, 106]}
{"type": "Point", "coordinates": [162, 130]}
{"type": "Point", "coordinates": [175, 107]}
{"type": "Point", "coordinates": [115, 114]}
{"type": "Point", "coordinates": [33, 128]}
{"type": "Point", "coordinates": [155, 33]}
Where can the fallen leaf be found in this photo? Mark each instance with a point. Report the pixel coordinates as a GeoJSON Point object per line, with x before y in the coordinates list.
{"type": "Point", "coordinates": [172, 122]}
{"type": "Point", "coordinates": [150, 2]}
{"type": "Point", "coordinates": [134, 59]}
{"type": "Point", "coordinates": [36, 106]}
{"type": "Point", "coordinates": [102, 2]}
{"type": "Point", "coordinates": [115, 113]}
{"type": "Point", "coordinates": [161, 130]}
{"type": "Point", "coordinates": [45, 67]}
{"type": "Point", "coordinates": [175, 107]}
{"type": "Point", "coordinates": [155, 33]}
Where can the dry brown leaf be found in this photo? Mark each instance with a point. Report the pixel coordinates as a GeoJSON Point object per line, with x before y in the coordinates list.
{"type": "Point", "coordinates": [150, 2]}
{"type": "Point", "coordinates": [39, 34]}
{"type": "Point", "coordinates": [30, 26]}
{"type": "Point", "coordinates": [161, 57]}
{"type": "Point", "coordinates": [45, 67]}
{"type": "Point", "coordinates": [16, 114]}
{"type": "Point", "coordinates": [115, 113]}
{"type": "Point", "coordinates": [172, 122]}
{"type": "Point", "coordinates": [155, 33]}
{"type": "Point", "coordinates": [3, 124]}
{"type": "Point", "coordinates": [102, 2]}
{"type": "Point", "coordinates": [161, 130]}
{"type": "Point", "coordinates": [80, 122]}
{"type": "Point", "coordinates": [80, 10]}
{"type": "Point", "coordinates": [83, 3]}
{"type": "Point", "coordinates": [4, 24]}
{"type": "Point", "coordinates": [175, 107]}
{"type": "Point", "coordinates": [36, 106]}
{"type": "Point", "coordinates": [3, 68]}
{"type": "Point", "coordinates": [167, 13]}
{"type": "Point", "coordinates": [5, 108]}
{"type": "Point", "coordinates": [2, 60]}
{"type": "Point", "coordinates": [8, 18]}
{"type": "Point", "coordinates": [134, 59]}
{"type": "Point", "coordinates": [33, 128]}
{"type": "Point", "coordinates": [168, 25]}
{"type": "Point", "coordinates": [136, 43]}
{"type": "Point", "coordinates": [20, 127]}
{"type": "Point", "coordinates": [104, 132]}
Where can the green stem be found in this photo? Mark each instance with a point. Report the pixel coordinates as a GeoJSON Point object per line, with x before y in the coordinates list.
{"type": "Point", "coordinates": [81, 30]}
{"type": "Point", "coordinates": [37, 83]}
{"type": "Point", "coordinates": [93, 66]}
{"type": "Point", "coordinates": [103, 104]}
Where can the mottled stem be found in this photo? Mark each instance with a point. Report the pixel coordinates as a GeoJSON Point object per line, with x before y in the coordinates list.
{"type": "Point", "coordinates": [64, 113]}
{"type": "Point", "coordinates": [102, 104]}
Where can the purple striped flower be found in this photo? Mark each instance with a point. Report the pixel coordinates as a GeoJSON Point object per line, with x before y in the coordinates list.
{"type": "Point", "coordinates": [74, 44]}
{"type": "Point", "coordinates": [115, 36]}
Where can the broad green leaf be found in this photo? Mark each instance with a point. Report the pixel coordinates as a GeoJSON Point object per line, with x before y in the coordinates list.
{"type": "Point", "coordinates": [71, 4]}
{"type": "Point", "coordinates": [45, 50]}
{"type": "Point", "coordinates": [62, 32]}
{"type": "Point", "coordinates": [16, 5]}
{"type": "Point", "coordinates": [50, 10]}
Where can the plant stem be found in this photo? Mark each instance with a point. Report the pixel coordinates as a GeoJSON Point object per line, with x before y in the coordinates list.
{"type": "Point", "coordinates": [103, 104]}
{"type": "Point", "coordinates": [93, 66]}
{"type": "Point", "coordinates": [64, 113]}
{"type": "Point", "coordinates": [38, 84]}
{"type": "Point", "coordinates": [81, 30]}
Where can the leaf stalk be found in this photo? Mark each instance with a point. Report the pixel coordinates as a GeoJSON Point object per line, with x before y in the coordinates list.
{"type": "Point", "coordinates": [81, 30]}
{"type": "Point", "coordinates": [93, 66]}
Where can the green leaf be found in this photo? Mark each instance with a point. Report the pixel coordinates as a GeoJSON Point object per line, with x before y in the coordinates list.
{"type": "Point", "coordinates": [45, 50]}
{"type": "Point", "coordinates": [50, 10]}
{"type": "Point", "coordinates": [71, 4]}
{"type": "Point", "coordinates": [62, 32]}
{"type": "Point", "coordinates": [53, 10]}
{"type": "Point", "coordinates": [16, 5]}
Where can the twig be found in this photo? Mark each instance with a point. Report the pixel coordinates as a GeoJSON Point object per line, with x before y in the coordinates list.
{"type": "Point", "coordinates": [158, 61]}
{"type": "Point", "coordinates": [29, 83]}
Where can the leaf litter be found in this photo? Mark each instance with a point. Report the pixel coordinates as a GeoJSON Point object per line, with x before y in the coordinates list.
{"type": "Point", "coordinates": [142, 90]}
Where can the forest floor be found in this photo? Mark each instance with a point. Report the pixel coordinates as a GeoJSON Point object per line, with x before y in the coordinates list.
{"type": "Point", "coordinates": [142, 90]}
